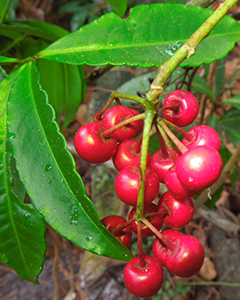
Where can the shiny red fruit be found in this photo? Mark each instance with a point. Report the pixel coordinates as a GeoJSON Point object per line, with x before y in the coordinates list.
{"type": "Point", "coordinates": [187, 111]}
{"type": "Point", "coordinates": [144, 281]}
{"type": "Point", "coordinates": [127, 183]}
{"type": "Point", "coordinates": [203, 135]}
{"type": "Point", "coordinates": [161, 163]}
{"type": "Point", "coordinates": [156, 221]}
{"type": "Point", "coordinates": [91, 146]}
{"type": "Point", "coordinates": [112, 223]}
{"type": "Point", "coordinates": [128, 154]}
{"type": "Point", "coordinates": [188, 257]}
{"type": "Point", "coordinates": [160, 250]}
{"type": "Point", "coordinates": [199, 167]}
{"type": "Point", "coordinates": [181, 211]}
{"type": "Point", "coordinates": [175, 187]}
{"type": "Point", "coordinates": [116, 115]}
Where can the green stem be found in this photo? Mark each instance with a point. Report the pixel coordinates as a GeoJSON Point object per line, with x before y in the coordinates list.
{"type": "Point", "coordinates": [187, 49]}
{"type": "Point", "coordinates": [116, 94]}
{"type": "Point", "coordinates": [5, 11]}
{"type": "Point", "coordinates": [150, 115]}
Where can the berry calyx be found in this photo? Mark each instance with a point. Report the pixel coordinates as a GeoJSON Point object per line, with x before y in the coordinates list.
{"type": "Point", "coordinates": [91, 146]}
{"type": "Point", "coordinates": [202, 135]}
{"type": "Point", "coordinates": [199, 167]}
{"type": "Point", "coordinates": [188, 259]}
{"type": "Point", "coordinates": [113, 224]}
{"type": "Point", "coordinates": [160, 250]}
{"type": "Point", "coordinates": [187, 108]}
{"type": "Point", "coordinates": [143, 281]}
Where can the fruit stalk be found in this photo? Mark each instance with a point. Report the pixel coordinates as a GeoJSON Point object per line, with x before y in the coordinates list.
{"type": "Point", "coordinates": [150, 114]}
{"type": "Point", "coordinates": [116, 94]}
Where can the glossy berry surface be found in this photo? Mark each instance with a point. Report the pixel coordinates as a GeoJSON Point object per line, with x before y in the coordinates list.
{"type": "Point", "coordinates": [156, 221]}
{"type": "Point", "coordinates": [188, 258]}
{"type": "Point", "coordinates": [160, 250]}
{"type": "Point", "coordinates": [187, 111]}
{"type": "Point", "coordinates": [143, 281]}
{"type": "Point", "coordinates": [200, 167]}
{"type": "Point", "coordinates": [160, 163]}
{"type": "Point", "coordinates": [175, 187]}
{"type": "Point", "coordinates": [181, 211]}
{"type": "Point", "coordinates": [112, 223]}
{"type": "Point", "coordinates": [202, 135]}
{"type": "Point", "coordinates": [128, 153]}
{"type": "Point", "coordinates": [91, 146]}
{"type": "Point", "coordinates": [118, 114]}
{"type": "Point", "coordinates": [127, 183]}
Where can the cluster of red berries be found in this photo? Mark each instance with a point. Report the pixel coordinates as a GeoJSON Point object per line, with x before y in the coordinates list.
{"type": "Point", "coordinates": [185, 171]}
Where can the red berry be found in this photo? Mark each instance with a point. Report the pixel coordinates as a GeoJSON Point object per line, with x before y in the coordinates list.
{"type": "Point", "coordinates": [202, 135]}
{"type": "Point", "coordinates": [175, 187]}
{"type": "Point", "coordinates": [127, 183]}
{"type": "Point", "coordinates": [128, 154]}
{"type": "Point", "coordinates": [144, 281]}
{"type": "Point", "coordinates": [160, 249]}
{"type": "Point", "coordinates": [91, 146]}
{"type": "Point", "coordinates": [199, 167]}
{"type": "Point", "coordinates": [188, 257]}
{"type": "Point", "coordinates": [112, 223]}
{"type": "Point", "coordinates": [156, 221]}
{"type": "Point", "coordinates": [181, 211]}
{"type": "Point", "coordinates": [116, 115]}
{"type": "Point", "coordinates": [187, 111]}
{"type": "Point", "coordinates": [161, 163]}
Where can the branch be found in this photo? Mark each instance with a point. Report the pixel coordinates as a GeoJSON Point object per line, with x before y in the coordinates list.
{"type": "Point", "coordinates": [187, 49]}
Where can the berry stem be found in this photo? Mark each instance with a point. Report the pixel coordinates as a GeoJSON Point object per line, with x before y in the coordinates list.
{"type": "Point", "coordinates": [98, 115]}
{"type": "Point", "coordinates": [149, 117]}
{"type": "Point", "coordinates": [162, 212]}
{"type": "Point", "coordinates": [119, 229]}
{"type": "Point", "coordinates": [107, 132]}
{"type": "Point", "coordinates": [167, 142]}
{"type": "Point", "coordinates": [173, 137]}
{"type": "Point", "coordinates": [162, 238]}
{"type": "Point", "coordinates": [137, 146]}
{"type": "Point", "coordinates": [162, 144]}
{"type": "Point", "coordinates": [142, 262]}
{"type": "Point", "coordinates": [116, 94]}
{"type": "Point", "coordinates": [174, 107]}
{"type": "Point", "coordinates": [187, 135]}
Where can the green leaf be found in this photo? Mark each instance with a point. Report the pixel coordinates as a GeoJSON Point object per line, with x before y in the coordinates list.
{"type": "Point", "coordinates": [18, 187]}
{"type": "Point", "coordinates": [22, 230]}
{"type": "Point", "coordinates": [146, 38]}
{"type": "Point", "coordinates": [8, 60]}
{"type": "Point", "coordinates": [48, 171]}
{"type": "Point", "coordinates": [43, 30]}
{"type": "Point", "coordinates": [65, 87]}
{"type": "Point", "coordinates": [234, 101]}
{"type": "Point", "coordinates": [120, 6]}
{"type": "Point", "coordinates": [80, 17]}
{"type": "Point", "coordinates": [229, 122]}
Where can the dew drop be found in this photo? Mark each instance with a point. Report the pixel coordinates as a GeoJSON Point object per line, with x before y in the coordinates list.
{"type": "Point", "coordinates": [48, 167]}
